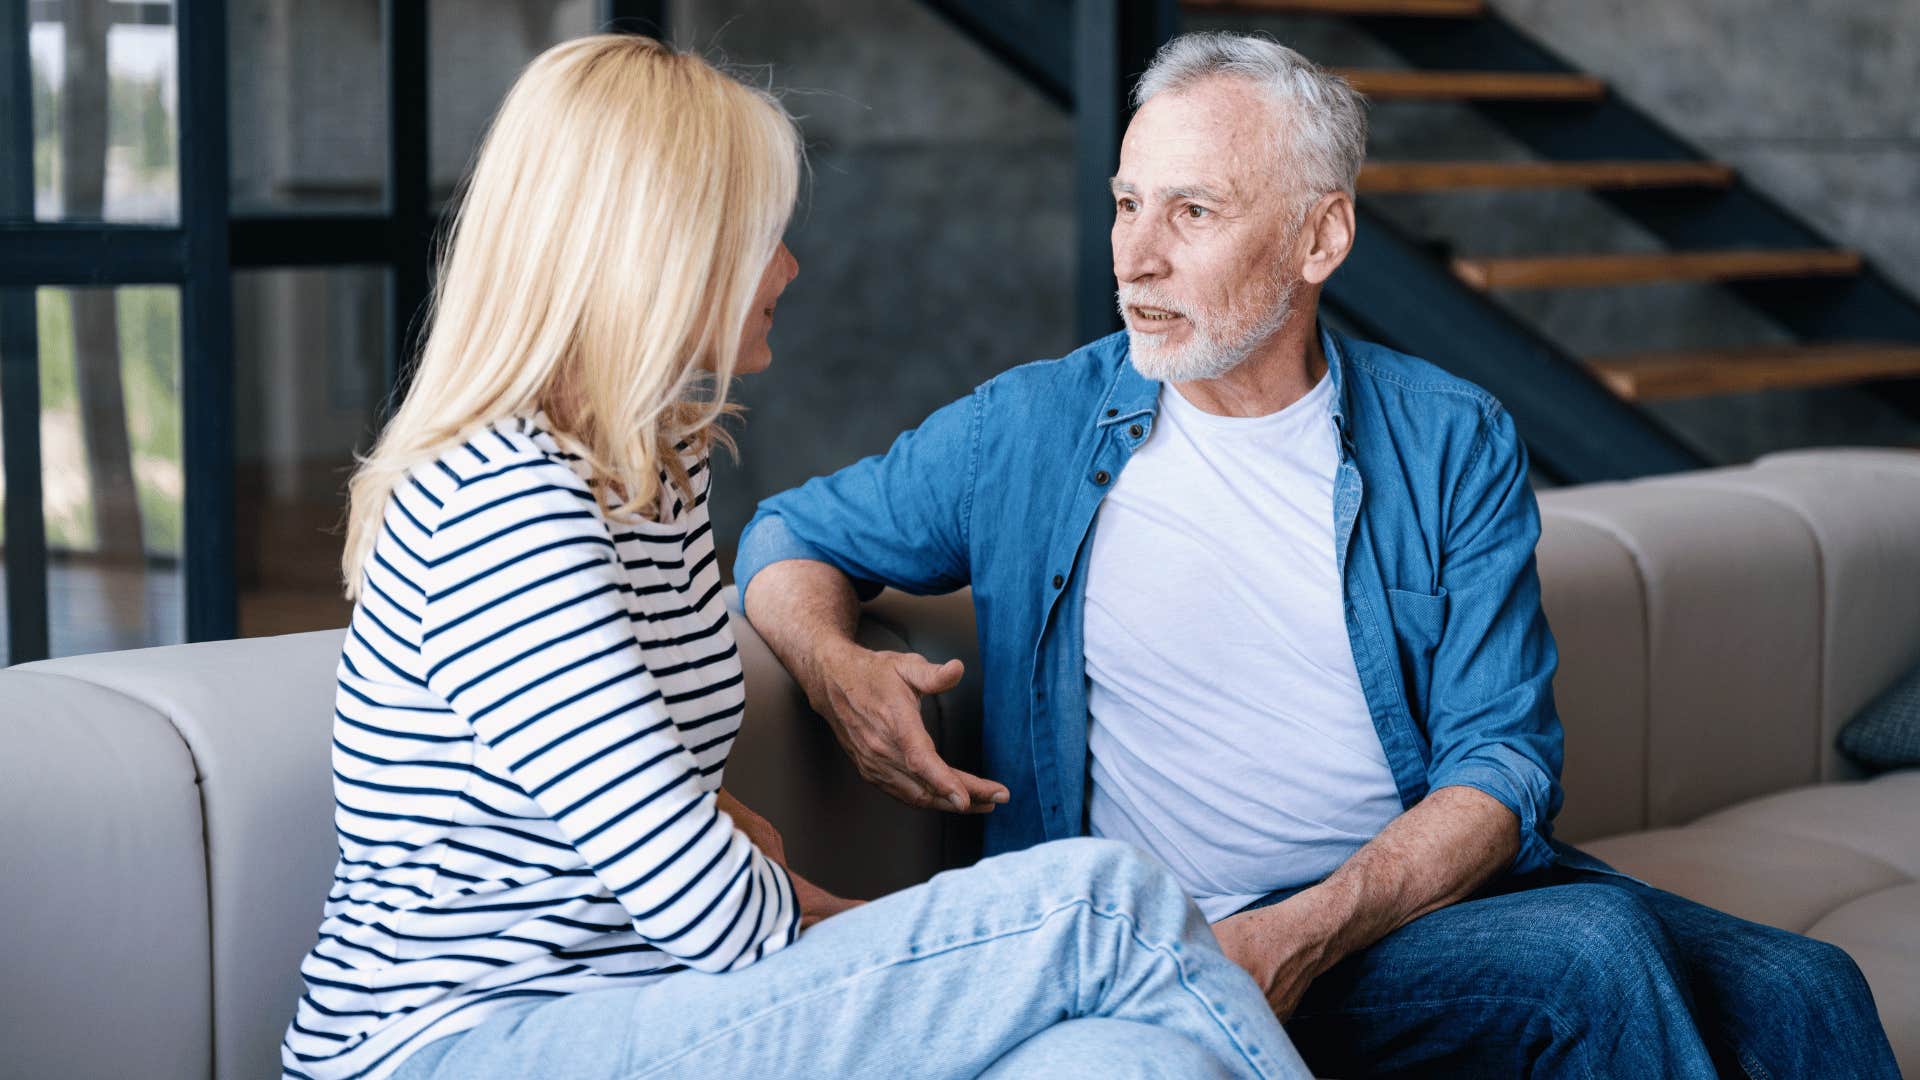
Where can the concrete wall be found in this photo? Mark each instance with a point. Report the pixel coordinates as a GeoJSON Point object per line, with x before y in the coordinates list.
{"type": "Point", "coordinates": [935, 240]}
{"type": "Point", "coordinates": [1813, 100]}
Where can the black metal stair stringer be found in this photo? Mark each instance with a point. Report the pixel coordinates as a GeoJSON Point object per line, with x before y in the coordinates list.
{"type": "Point", "coordinates": [1867, 306]}
{"type": "Point", "coordinates": [1395, 292]}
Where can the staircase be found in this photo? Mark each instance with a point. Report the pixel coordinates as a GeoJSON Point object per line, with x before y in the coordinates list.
{"type": "Point", "coordinates": [1827, 318]}
{"type": "Point", "coordinates": [1851, 326]}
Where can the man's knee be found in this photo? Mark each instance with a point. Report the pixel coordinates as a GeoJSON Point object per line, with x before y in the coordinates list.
{"type": "Point", "coordinates": [1601, 937]}
{"type": "Point", "coordinates": [1820, 975]}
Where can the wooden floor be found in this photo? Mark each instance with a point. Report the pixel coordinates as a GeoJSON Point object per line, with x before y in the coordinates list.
{"type": "Point", "coordinates": [93, 608]}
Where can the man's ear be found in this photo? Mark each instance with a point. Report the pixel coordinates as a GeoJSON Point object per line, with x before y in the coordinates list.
{"type": "Point", "coordinates": [1328, 233]}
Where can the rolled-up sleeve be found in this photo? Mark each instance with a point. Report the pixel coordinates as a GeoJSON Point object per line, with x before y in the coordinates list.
{"type": "Point", "coordinates": [897, 519]}
{"type": "Point", "coordinates": [1492, 719]}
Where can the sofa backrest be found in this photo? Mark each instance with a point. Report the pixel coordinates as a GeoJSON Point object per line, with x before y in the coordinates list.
{"type": "Point", "coordinates": [1717, 628]}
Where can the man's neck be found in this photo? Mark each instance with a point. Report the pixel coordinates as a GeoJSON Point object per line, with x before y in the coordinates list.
{"type": "Point", "coordinates": [1277, 374]}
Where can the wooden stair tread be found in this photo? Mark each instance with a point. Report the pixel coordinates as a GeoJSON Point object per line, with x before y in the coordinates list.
{"type": "Point", "coordinates": [1399, 177]}
{"type": "Point", "coordinates": [1392, 85]}
{"type": "Point", "coordinates": [1653, 376]}
{"type": "Point", "coordinates": [1441, 9]}
{"type": "Point", "coordinates": [1577, 271]}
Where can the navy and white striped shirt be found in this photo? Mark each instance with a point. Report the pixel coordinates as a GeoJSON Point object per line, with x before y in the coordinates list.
{"type": "Point", "coordinates": [535, 705]}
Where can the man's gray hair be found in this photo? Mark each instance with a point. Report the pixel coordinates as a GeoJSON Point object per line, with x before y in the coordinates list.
{"type": "Point", "coordinates": [1324, 120]}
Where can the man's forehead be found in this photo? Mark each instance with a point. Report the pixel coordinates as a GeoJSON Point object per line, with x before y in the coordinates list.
{"type": "Point", "coordinates": [1207, 191]}
{"type": "Point", "coordinates": [1203, 140]}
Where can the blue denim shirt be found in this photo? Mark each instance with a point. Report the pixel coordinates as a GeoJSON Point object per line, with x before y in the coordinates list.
{"type": "Point", "coordinates": [1434, 530]}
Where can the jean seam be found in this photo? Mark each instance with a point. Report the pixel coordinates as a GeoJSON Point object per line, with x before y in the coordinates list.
{"type": "Point", "coordinates": [1560, 1026]}
{"type": "Point", "coordinates": [1133, 932]}
{"type": "Point", "coordinates": [1751, 1065]}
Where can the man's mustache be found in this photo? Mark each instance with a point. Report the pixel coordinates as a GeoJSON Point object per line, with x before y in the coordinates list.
{"type": "Point", "coordinates": [1147, 297]}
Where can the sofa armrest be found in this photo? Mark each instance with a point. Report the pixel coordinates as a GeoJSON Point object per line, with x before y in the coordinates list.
{"type": "Point", "coordinates": [841, 832]}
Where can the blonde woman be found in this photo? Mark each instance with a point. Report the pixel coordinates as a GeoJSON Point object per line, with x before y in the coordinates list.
{"type": "Point", "coordinates": [540, 874]}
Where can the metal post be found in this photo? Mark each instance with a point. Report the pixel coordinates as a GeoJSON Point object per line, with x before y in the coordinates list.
{"type": "Point", "coordinates": [206, 353]}
{"type": "Point", "coordinates": [26, 536]}
{"type": "Point", "coordinates": [1113, 41]}
{"type": "Point", "coordinates": [647, 17]}
{"type": "Point", "coordinates": [408, 179]}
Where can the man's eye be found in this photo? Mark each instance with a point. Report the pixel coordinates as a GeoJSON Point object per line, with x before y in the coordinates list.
{"type": "Point", "coordinates": [1128, 206]}
{"type": "Point", "coordinates": [1197, 212]}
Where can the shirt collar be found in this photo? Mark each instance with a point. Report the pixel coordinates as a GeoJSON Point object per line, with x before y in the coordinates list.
{"type": "Point", "coordinates": [1133, 394]}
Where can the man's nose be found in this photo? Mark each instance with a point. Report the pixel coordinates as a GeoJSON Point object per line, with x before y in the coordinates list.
{"type": "Point", "coordinates": [1137, 252]}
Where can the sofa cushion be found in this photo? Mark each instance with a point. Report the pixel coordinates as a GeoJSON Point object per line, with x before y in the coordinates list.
{"type": "Point", "coordinates": [104, 891]}
{"type": "Point", "coordinates": [1881, 931]}
{"type": "Point", "coordinates": [1886, 734]}
{"type": "Point", "coordinates": [1878, 818]}
{"type": "Point", "coordinates": [1837, 862]}
{"type": "Point", "coordinates": [1784, 881]}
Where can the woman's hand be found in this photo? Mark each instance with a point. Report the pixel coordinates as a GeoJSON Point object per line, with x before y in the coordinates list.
{"type": "Point", "coordinates": [758, 829]}
{"type": "Point", "coordinates": [817, 903]}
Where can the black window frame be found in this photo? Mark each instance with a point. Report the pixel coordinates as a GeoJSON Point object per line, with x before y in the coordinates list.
{"type": "Point", "coordinates": [199, 256]}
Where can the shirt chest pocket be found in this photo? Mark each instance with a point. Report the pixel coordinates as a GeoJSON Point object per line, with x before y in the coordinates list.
{"type": "Point", "coordinates": [1419, 618]}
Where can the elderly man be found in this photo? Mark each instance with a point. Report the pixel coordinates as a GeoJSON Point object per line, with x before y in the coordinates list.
{"type": "Point", "coordinates": [1260, 599]}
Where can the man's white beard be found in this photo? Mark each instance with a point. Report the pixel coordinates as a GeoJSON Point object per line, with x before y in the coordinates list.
{"type": "Point", "coordinates": [1213, 346]}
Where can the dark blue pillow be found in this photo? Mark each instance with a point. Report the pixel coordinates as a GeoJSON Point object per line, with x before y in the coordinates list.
{"type": "Point", "coordinates": [1886, 734]}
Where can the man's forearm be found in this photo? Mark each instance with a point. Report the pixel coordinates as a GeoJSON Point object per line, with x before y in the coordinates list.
{"type": "Point", "coordinates": [1433, 855]}
{"type": "Point", "coordinates": [802, 608]}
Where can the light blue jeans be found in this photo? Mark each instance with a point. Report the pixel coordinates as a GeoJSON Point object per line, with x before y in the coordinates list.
{"type": "Point", "coordinates": [1079, 958]}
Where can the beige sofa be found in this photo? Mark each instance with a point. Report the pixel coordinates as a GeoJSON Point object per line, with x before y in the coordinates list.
{"type": "Point", "coordinates": [165, 814]}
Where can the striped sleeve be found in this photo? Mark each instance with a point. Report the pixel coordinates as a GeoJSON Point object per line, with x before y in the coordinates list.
{"type": "Point", "coordinates": [525, 634]}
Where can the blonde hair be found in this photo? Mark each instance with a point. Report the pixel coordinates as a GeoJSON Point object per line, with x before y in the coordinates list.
{"type": "Point", "coordinates": [601, 267]}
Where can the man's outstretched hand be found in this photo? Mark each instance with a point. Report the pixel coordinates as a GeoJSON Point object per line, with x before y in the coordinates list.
{"type": "Point", "coordinates": [872, 700]}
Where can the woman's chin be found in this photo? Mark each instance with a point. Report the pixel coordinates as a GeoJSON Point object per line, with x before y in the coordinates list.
{"type": "Point", "coordinates": [754, 361]}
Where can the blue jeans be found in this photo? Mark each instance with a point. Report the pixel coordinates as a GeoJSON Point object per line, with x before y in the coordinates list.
{"type": "Point", "coordinates": [1573, 972]}
{"type": "Point", "coordinates": [1073, 959]}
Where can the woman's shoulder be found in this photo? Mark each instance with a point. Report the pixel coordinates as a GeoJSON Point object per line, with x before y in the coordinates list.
{"type": "Point", "coordinates": [509, 457]}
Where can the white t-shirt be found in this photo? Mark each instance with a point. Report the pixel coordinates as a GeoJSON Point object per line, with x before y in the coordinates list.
{"type": "Point", "coordinates": [1228, 734]}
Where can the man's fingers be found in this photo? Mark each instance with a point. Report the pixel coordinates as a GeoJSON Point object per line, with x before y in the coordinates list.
{"type": "Point", "coordinates": [930, 678]}
{"type": "Point", "coordinates": [941, 780]}
{"type": "Point", "coordinates": [984, 794]}
{"type": "Point", "coordinates": [954, 789]}
{"type": "Point", "coordinates": [907, 788]}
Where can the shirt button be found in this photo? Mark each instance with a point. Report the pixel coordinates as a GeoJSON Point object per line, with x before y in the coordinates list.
{"type": "Point", "coordinates": [1134, 431]}
{"type": "Point", "coordinates": [1058, 581]}
{"type": "Point", "coordinates": [1113, 412]}
{"type": "Point", "coordinates": [1101, 477]}
{"type": "Point", "coordinates": [1039, 695]}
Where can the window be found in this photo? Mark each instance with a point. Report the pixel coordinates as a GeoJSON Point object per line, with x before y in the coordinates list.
{"type": "Point", "coordinates": [217, 216]}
